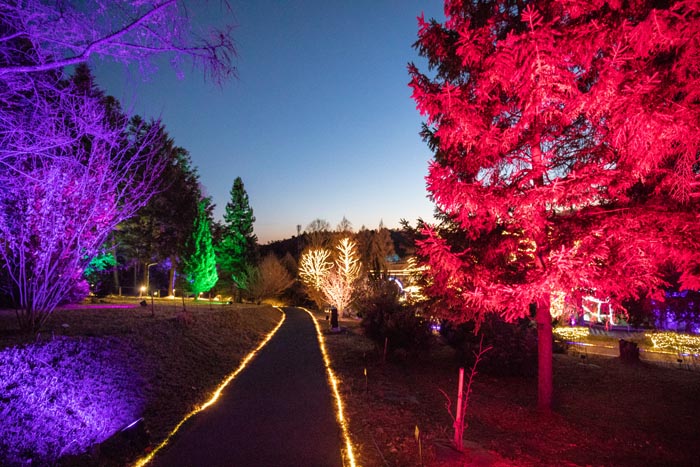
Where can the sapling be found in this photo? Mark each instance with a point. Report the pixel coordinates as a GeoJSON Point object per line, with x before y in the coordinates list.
{"type": "Point", "coordinates": [459, 417]}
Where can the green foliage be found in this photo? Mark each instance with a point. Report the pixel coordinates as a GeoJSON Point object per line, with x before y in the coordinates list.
{"type": "Point", "coordinates": [98, 271]}
{"type": "Point", "coordinates": [514, 345]}
{"type": "Point", "coordinates": [236, 249]}
{"type": "Point", "coordinates": [199, 263]}
{"type": "Point", "coordinates": [384, 317]}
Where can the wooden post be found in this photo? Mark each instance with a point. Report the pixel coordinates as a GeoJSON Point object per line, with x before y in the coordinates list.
{"type": "Point", "coordinates": [386, 342]}
{"type": "Point", "coordinates": [459, 422]}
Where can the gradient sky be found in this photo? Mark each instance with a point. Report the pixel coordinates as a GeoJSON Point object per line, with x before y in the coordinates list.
{"type": "Point", "coordinates": [319, 122]}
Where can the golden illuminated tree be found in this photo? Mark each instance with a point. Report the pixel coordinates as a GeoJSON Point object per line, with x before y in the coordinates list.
{"type": "Point", "coordinates": [338, 286]}
{"type": "Point", "coordinates": [347, 261]}
{"type": "Point", "coordinates": [314, 265]}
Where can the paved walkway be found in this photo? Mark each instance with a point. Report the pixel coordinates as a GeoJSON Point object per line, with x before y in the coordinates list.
{"type": "Point", "coordinates": [277, 412]}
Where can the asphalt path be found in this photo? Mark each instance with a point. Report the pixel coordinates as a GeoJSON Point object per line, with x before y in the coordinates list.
{"type": "Point", "coordinates": [278, 411]}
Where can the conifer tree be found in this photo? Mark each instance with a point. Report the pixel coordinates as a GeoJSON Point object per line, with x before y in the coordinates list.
{"type": "Point", "coordinates": [566, 140]}
{"type": "Point", "coordinates": [237, 247]}
{"type": "Point", "coordinates": [199, 262]}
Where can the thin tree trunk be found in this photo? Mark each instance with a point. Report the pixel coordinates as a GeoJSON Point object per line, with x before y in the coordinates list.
{"type": "Point", "coordinates": [171, 277]}
{"type": "Point", "coordinates": [544, 355]}
{"type": "Point", "coordinates": [115, 268]}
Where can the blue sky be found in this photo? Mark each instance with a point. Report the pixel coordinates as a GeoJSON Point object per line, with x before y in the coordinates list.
{"type": "Point", "coordinates": [319, 122]}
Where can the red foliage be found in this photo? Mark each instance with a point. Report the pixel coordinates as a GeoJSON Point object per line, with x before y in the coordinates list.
{"type": "Point", "coordinates": [566, 150]}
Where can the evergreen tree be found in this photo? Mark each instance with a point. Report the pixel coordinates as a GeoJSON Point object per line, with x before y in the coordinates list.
{"type": "Point", "coordinates": [199, 263]}
{"type": "Point", "coordinates": [566, 139]}
{"type": "Point", "coordinates": [236, 249]}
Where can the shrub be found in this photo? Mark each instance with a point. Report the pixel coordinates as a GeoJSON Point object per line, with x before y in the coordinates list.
{"type": "Point", "coordinates": [384, 317]}
{"type": "Point", "coordinates": [514, 345]}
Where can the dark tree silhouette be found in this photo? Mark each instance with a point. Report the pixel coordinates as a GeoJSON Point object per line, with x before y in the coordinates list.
{"type": "Point", "coordinates": [236, 250]}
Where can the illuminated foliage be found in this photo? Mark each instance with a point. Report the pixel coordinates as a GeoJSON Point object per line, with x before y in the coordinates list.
{"type": "Point", "coordinates": [62, 396]}
{"type": "Point", "coordinates": [337, 291]}
{"type": "Point", "coordinates": [199, 262]}
{"type": "Point", "coordinates": [347, 261]}
{"type": "Point", "coordinates": [572, 333]}
{"type": "Point", "coordinates": [566, 146]}
{"type": "Point", "coordinates": [676, 342]}
{"type": "Point", "coordinates": [71, 169]}
{"type": "Point", "coordinates": [314, 266]}
{"type": "Point", "coordinates": [236, 248]}
{"type": "Point", "coordinates": [331, 281]}
{"type": "Point", "coordinates": [338, 286]}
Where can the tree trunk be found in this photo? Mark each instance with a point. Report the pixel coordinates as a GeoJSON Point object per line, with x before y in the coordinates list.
{"type": "Point", "coordinates": [544, 355]}
{"type": "Point", "coordinates": [115, 268]}
{"type": "Point", "coordinates": [171, 277]}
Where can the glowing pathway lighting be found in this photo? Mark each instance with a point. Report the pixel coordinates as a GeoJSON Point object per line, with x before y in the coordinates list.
{"type": "Point", "coordinates": [215, 395]}
{"type": "Point", "coordinates": [348, 453]}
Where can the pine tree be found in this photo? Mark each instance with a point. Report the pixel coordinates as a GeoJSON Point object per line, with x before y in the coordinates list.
{"type": "Point", "coordinates": [237, 247]}
{"type": "Point", "coordinates": [566, 141]}
{"type": "Point", "coordinates": [199, 263]}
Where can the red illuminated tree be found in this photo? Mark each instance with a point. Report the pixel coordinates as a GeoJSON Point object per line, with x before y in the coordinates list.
{"type": "Point", "coordinates": [566, 154]}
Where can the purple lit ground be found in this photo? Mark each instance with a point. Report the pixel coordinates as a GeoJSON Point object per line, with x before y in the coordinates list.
{"type": "Point", "coordinates": [109, 365]}
{"type": "Point", "coordinates": [60, 397]}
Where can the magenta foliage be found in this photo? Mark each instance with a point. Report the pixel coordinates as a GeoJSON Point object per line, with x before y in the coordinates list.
{"type": "Point", "coordinates": [63, 396]}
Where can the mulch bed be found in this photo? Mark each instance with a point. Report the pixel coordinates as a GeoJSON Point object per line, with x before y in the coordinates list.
{"type": "Point", "coordinates": [606, 413]}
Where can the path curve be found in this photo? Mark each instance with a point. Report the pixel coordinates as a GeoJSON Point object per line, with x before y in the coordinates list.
{"type": "Point", "coordinates": [278, 412]}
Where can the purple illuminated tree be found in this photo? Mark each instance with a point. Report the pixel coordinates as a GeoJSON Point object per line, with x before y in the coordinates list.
{"type": "Point", "coordinates": [70, 169]}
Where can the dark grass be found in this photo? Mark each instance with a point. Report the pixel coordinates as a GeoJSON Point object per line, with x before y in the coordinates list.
{"type": "Point", "coordinates": [606, 413]}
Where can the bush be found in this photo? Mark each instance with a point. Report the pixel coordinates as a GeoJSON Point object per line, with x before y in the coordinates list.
{"type": "Point", "coordinates": [514, 345]}
{"type": "Point", "coordinates": [384, 317]}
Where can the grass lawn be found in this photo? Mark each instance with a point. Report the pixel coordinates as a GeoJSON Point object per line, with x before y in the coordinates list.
{"type": "Point", "coordinates": [606, 413]}
{"type": "Point", "coordinates": [179, 358]}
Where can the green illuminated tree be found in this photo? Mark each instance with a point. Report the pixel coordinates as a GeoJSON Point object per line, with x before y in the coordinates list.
{"type": "Point", "coordinates": [236, 249]}
{"type": "Point", "coordinates": [199, 262]}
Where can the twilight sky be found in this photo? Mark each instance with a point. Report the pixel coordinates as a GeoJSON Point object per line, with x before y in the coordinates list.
{"type": "Point", "coordinates": [319, 123]}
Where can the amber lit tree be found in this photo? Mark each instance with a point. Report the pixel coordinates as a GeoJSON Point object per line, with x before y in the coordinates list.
{"type": "Point", "coordinates": [565, 138]}
{"type": "Point", "coordinates": [269, 279]}
{"type": "Point", "coordinates": [314, 266]}
{"type": "Point", "coordinates": [338, 286]}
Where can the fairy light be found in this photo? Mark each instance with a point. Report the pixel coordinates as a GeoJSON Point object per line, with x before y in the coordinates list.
{"type": "Point", "coordinates": [215, 395]}
{"type": "Point", "coordinates": [333, 380]}
{"type": "Point", "coordinates": [672, 342]}
{"type": "Point", "coordinates": [572, 333]}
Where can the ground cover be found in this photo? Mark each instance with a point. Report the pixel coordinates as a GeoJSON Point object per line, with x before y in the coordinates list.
{"type": "Point", "coordinates": [606, 413]}
{"type": "Point", "coordinates": [162, 361]}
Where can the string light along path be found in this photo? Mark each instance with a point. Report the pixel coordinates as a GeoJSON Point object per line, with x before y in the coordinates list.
{"type": "Point", "coordinates": [279, 411]}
